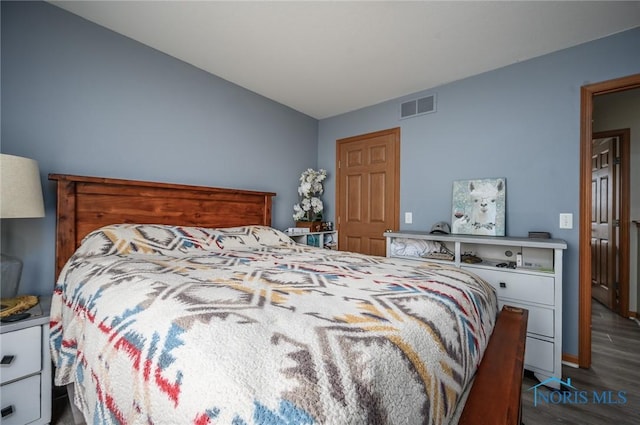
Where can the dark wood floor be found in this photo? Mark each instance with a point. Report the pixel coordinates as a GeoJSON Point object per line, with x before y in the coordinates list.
{"type": "Point", "coordinates": [615, 368]}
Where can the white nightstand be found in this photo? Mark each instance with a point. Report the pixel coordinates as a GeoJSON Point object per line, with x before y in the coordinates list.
{"type": "Point", "coordinates": [25, 373]}
{"type": "Point", "coordinates": [326, 239]}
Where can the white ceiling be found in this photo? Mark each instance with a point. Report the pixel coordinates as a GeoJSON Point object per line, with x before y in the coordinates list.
{"type": "Point", "coordinates": [324, 58]}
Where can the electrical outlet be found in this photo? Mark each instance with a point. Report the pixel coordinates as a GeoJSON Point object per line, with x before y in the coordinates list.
{"type": "Point", "coordinates": [408, 218]}
{"type": "Point", "coordinates": [566, 221]}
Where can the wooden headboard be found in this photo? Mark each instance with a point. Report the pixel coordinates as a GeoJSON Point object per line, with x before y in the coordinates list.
{"type": "Point", "coordinates": [88, 203]}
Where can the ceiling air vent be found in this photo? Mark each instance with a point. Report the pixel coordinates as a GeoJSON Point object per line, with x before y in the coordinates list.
{"type": "Point", "coordinates": [415, 107]}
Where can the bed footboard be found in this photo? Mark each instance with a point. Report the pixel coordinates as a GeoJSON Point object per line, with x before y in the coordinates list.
{"type": "Point", "coordinates": [495, 398]}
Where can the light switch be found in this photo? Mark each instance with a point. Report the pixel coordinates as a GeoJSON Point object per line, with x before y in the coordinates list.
{"type": "Point", "coordinates": [408, 218]}
{"type": "Point", "coordinates": [566, 221]}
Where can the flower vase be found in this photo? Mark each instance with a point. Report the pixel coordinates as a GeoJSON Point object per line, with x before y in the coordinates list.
{"type": "Point", "coordinates": [314, 226]}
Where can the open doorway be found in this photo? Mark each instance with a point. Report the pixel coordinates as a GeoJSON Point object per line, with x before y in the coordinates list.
{"type": "Point", "coordinates": [588, 93]}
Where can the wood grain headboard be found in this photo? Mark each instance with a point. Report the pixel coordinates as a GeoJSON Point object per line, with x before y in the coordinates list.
{"type": "Point", "coordinates": [88, 203]}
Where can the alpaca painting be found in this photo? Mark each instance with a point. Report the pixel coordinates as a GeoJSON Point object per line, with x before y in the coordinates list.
{"type": "Point", "coordinates": [479, 207]}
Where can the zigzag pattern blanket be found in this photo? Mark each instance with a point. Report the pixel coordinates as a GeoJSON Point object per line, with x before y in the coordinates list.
{"type": "Point", "coordinates": [181, 325]}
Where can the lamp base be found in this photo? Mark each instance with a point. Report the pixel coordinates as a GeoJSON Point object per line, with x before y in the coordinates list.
{"type": "Point", "coordinates": [11, 271]}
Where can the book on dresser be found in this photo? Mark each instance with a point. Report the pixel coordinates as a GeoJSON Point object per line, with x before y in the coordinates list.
{"type": "Point", "coordinates": [525, 273]}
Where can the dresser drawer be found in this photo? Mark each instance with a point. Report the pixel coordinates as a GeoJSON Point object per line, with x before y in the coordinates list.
{"type": "Point", "coordinates": [539, 355]}
{"type": "Point", "coordinates": [20, 403]}
{"type": "Point", "coordinates": [518, 286]}
{"type": "Point", "coordinates": [25, 346]}
{"type": "Point", "coordinates": [540, 319]}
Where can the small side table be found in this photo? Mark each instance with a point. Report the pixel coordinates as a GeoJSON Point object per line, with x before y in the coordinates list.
{"type": "Point", "coordinates": [25, 371]}
{"type": "Point", "coordinates": [327, 239]}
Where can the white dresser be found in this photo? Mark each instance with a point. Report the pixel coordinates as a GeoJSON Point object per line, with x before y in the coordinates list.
{"type": "Point", "coordinates": [525, 272]}
{"type": "Point", "coordinates": [25, 371]}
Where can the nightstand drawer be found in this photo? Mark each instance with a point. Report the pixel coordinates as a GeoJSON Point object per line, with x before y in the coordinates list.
{"type": "Point", "coordinates": [19, 406]}
{"type": "Point", "coordinates": [519, 286]}
{"type": "Point", "coordinates": [20, 352]}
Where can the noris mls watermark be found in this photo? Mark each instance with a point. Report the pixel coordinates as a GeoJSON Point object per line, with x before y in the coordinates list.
{"type": "Point", "coordinates": [572, 395]}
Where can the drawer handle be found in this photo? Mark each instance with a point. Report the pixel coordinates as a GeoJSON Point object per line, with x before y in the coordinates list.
{"type": "Point", "coordinates": [503, 285]}
{"type": "Point", "coordinates": [7, 360]}
{"type": "Point", "coordinates": [7, 411]}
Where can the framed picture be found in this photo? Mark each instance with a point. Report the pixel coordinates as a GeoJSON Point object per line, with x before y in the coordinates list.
{"type": "Point", "coordinates": [478, 207]}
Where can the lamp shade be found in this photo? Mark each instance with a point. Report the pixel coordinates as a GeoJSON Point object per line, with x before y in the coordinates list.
{"type": "Point", "coordinates": [20, 188]}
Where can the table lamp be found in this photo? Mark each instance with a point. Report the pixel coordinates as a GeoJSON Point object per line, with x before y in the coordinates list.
{"type": "Point", "coordinates": [20, 197]}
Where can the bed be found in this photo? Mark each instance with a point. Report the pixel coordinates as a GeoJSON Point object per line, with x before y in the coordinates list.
{"type": "Point", "coordinates": [180, 304]}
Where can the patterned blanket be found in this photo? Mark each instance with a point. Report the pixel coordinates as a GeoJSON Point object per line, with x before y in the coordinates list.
{"type": "Point", "coordinates": [182, 325]}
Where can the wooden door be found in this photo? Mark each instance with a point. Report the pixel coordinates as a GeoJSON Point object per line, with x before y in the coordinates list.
{"type": "Point", "coordinates": [368, 190]}
{"type": "Point", "coordinates": [603, 216]}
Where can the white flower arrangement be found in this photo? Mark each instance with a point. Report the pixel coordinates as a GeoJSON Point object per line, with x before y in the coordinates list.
{"type": "Point", "coordinates": [310, 206]}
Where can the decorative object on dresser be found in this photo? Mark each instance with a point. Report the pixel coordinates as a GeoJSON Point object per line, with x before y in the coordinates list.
{"type": "Point", "coordinates": [25, 375]}
{"type": "Point", "coordinates": [308, 212]}
{"type": "Point", "coordinates": [535, 286]}
{"type": "Point", "coordinates": [441, 227]}
{"type": "Point", "coordinates": [11, 307]}
{"type": "Point", "coordinates": [478, 207]}
{"type": "Point", "coordinates": [21, 195]}
{"type": "Point", "coordinates": [326, 226]}
{"type": "Point", "coordinates": [125, 201]}
{"type": "Point", "coordinates": [312, 226]}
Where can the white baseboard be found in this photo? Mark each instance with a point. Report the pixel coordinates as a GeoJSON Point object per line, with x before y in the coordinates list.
{"type": "Point", "coordinates": [570, 364]}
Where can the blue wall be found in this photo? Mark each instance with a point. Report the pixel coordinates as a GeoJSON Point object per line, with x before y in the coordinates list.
{"type": "Point", "coordinates": [520, 122]}
{"type": "Point", "coordinates": [81, 99]}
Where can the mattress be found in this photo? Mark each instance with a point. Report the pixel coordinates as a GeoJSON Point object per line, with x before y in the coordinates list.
{"type": "Point", "coordinates": [168, 324]}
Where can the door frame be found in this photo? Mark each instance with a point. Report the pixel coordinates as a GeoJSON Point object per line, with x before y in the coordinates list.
{"type": "Point", "coordinates": [587, 92]}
